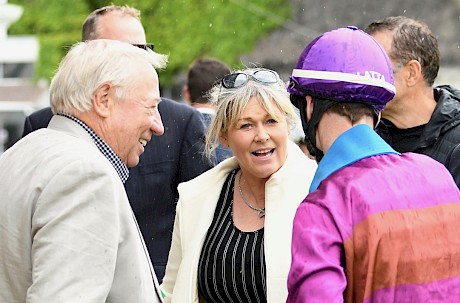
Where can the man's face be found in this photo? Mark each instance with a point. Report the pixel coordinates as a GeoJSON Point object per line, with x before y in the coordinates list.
{"type": "Point", "coordinates": [135, 119]}
{"type": "Point", "coordinates": [385, 38]}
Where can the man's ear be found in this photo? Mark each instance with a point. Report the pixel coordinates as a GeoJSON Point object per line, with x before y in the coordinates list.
{"type": "Point", "coordinates": [102, 101]}
{"type": "Point", "coordinates": [414, 72]}
{"type": "Point", "coordinates": [309, 107]}
{"type": "Point", "coordinates": [186, 93]}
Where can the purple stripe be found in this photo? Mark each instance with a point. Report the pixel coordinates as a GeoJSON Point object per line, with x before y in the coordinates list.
{"type": "Point", "coordinates": [447, 290]}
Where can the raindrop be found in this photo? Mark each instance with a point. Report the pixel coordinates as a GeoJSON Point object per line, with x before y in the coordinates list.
{"type": "Point", "coordinates": [281, 50]}
{"type": "Point", "coordinates": [210, 24]}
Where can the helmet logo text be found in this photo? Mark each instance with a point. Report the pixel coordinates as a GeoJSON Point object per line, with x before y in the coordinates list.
{"type": "Point", "coordinates": [372, 74]}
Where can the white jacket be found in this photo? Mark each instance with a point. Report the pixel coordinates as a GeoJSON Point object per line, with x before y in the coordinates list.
{"type": "Point", "coordinates": [197, 202]}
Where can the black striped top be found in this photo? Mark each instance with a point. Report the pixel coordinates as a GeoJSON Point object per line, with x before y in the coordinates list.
{"type": "Point", "coordinates": [232, 263]}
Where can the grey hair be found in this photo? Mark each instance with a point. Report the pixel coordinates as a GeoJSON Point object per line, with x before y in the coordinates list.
{"type": "Point", "coordinates": [412, 39]}
{"type": "Point", "coordinates": [92, 63]}
{"type": "Point", "coordinates": [230, 104]}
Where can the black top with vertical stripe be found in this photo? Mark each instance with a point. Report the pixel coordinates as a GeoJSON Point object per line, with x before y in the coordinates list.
{"type": "Point", "coordinates": [232, 263]}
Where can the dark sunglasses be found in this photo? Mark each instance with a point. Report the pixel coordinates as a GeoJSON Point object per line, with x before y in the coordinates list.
{"type": "Point", "coordinates": [147, 46]}
{"type": "Point", "coordinates": [239, 79]}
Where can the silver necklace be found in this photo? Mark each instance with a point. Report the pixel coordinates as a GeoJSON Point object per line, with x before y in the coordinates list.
{"type": "Point", "coordinates": [260, 210]}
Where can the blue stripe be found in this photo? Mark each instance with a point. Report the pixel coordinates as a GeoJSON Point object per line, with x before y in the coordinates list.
{"type": "Point", "coordinates": [355, 144]}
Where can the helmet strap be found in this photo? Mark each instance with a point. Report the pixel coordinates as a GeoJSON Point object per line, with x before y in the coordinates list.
{"type": "Point", "coordinates": [376, 114]}
{"type": "Point", "coordinates": [310, 126]}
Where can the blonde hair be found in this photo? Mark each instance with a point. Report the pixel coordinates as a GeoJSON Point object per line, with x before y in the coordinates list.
{"type": "Point", "coordinates": [230, 103]}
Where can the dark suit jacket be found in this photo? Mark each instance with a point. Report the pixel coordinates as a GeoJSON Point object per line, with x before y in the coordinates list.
{"type": "Point", "coordinates": [175, 157]}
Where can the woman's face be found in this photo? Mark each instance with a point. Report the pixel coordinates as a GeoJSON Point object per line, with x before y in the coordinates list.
{"type": "Point", "coordinates": [258, 141]}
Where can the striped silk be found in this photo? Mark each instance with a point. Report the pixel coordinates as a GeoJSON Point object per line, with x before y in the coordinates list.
{"type": "Point", "coordinates": [232, 263]}
{"type": "Point", "coordinates": [384, 229]}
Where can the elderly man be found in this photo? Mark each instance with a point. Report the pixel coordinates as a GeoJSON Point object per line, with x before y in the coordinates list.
{"type": "Point", "coordinates": [67, 230]}
{"type": "Point", "coordinates": [175, 157]}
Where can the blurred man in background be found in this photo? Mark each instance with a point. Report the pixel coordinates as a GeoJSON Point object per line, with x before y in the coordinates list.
{"type": "Point", "coordinates": [202, 75]}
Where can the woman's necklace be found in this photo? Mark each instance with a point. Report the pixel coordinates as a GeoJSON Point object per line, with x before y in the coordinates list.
{"type": "Point", "coordinates": [260, 210]}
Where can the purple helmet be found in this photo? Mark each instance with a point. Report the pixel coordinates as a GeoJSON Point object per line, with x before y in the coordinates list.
{"type": "Point", "coordinates": [344, 65]}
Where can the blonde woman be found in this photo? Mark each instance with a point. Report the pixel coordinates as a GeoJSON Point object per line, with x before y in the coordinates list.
{"type": "Point", "coordinates": [233, 226]}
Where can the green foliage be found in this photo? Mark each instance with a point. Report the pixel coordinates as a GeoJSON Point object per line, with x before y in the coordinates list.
{"type": "Point", "coordinates": [223, 29]}
{"type": "Point", "coordinates": [57, 25]}
{"type": "Point", "coordinates": [184, 29]}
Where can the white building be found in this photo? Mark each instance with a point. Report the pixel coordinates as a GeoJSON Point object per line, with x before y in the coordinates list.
{"type": "Point", "coordinates": [19, 94]}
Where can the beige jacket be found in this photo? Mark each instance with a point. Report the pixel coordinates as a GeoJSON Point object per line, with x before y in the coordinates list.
{"type": "Point", "coordinates": [197, 201]}
{"type": "Point", "coordinates": [67, 231]}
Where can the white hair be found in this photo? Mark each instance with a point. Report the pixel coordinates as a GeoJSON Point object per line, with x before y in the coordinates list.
{"type": "Point", "coordinates": [92, 63]}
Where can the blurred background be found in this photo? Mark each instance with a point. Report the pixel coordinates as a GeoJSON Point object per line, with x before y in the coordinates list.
{"type": "Point", "coordinates": [36, 34]}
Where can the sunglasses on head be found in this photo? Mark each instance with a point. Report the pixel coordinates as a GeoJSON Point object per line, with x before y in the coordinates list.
{"type": "Point", "coordinates": [239, 79]}
{"type": "Point", "coordinates": [147, 46]}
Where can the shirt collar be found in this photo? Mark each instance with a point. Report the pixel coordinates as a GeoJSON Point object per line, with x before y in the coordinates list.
{"type": "Point", "coordinates": [357, 143]}
{"type": "Point", "coordinates": [120, 167]}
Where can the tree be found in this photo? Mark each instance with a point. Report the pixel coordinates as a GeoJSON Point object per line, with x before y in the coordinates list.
{"type": "Point", "coordinates": [184, 29]}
